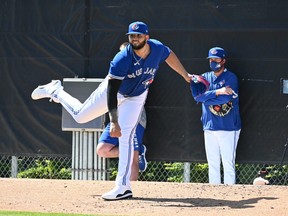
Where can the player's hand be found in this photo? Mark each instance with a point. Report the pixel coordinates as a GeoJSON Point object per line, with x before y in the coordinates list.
{"type": "Point", "coordinates": [115, 130]}
{"type": "Point", "coordinates": [226, 90]}
{"type": "Point", "coordinates": [188, 77]}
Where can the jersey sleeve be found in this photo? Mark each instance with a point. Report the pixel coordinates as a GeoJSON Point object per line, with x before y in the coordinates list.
{"type": "Point", "coordinates": [119, 66]}
{"type": "Point", "coordinates": [163, 50]}
{"type": "Point", "coordinates": [166, 53]}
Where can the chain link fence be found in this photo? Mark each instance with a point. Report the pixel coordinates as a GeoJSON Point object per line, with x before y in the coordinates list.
{"type": "Point", "coordinates": [59, 167]}
{"type": "Point", "coordinates": [27, 166]}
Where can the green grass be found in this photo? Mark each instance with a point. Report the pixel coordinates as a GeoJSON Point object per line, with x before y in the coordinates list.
{"type": "Point", "coordinates": [15, 213]}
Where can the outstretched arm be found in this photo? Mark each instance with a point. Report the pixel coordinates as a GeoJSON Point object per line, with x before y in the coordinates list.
{"type": "Point", "coordinates": [177, 66]}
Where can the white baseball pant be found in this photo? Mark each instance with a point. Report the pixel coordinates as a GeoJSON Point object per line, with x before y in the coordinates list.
{"type": "Point", "coordinates": [221, 145]}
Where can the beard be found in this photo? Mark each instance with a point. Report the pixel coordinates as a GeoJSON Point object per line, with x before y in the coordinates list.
{"type": "Point", "coordinates": [139, 46]}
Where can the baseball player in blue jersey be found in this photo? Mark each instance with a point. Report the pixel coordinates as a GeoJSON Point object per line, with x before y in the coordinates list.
{"type": "Point", "coordinates": [108, 147]}
{"type": "Point", "coordinates": [123, 94]}
{"type": "Point", "coordinates": [220, 118]}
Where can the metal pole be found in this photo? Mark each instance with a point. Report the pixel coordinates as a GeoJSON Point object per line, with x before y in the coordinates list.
{"type": "Point", "coordinates": [100, 166]}
{"type": "Point", "coordinates": [73, 156]}
{"type": "Point", "coordinates": [95, 156]}
{"type": "Point", "coordinates": [14, 168]}
{"type": "Point", "coordinates": [104, 166]}
{"type": "Point", "coordinates": [90, 154]}
{"type": "Point", "coordinates": [284, 152]}
{"type": "Point", "coordinates": [186, 174]}
{"type": "Point", "coordinates": [84, 145]}
{"type": "Point", "coordinates": [76, 158]}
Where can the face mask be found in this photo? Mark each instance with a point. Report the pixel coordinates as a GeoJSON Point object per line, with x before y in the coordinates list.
{"type": "Point", "coordinates": [215, 66]}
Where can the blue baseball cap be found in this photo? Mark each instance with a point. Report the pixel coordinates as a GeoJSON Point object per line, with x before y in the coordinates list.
{"type": "Point", "coordinates": [137, 28]}
{"type": "Point", "coordinates": [216, 52]}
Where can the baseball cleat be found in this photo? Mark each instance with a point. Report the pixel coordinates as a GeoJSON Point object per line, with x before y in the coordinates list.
{"type": "Point", "coordinates": [118, 193]}
{"type": "Point", "coordinates": [46, 91]}
{"type": "Point", "coordinates": [142, 159]}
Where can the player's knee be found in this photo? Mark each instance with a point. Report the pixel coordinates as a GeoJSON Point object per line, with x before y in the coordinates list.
{"type": "Point", "coordinates": [104, 150]}
{"type": "Point", "coordinates": [101, 151]}
{"type": "Point", "coordinates": [79, 120]}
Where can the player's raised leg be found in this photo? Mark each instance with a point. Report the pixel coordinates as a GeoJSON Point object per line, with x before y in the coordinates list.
{"type": "Point", "coordinates": [93, 107]}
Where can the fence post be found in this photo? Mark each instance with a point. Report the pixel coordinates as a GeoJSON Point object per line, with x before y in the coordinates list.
{"type": "Point", "coordinates": [14, 166]}
{"type": "Point", "coordinates": [186, 174]}
{"type": "Point", "coordinates": [91, 153]}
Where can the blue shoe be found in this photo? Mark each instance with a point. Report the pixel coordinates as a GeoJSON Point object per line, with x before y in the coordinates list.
{"type": "Point", "coordinates": [142, 159]}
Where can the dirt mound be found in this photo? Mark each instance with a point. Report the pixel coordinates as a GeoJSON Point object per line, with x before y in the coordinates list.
{"type": "Point", "coordinates": [150, 198]}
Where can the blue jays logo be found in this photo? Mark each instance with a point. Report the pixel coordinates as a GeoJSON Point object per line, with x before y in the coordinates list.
{"type": "Point", "coordinates": [148, 82]}
{"type": "Point", "coordinates": [221, 83]}
{"type": "Point", "coordinates": [214, 51]}
{"type": "Point", "coordinates": [134, 26]}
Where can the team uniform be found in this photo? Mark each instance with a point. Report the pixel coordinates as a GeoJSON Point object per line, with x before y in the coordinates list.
{"type": "Point", "coordinates": [221, 124]}
{"type": "Point", "coordinates": [137, 75]}
{"type": "Point", "coordinates": [136, 78]}
{"type": "Point", "coordinates": [124, 90]}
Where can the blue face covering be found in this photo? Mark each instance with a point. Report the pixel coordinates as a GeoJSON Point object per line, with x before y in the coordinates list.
{"type": "Point", "coordinates": [215, 66]}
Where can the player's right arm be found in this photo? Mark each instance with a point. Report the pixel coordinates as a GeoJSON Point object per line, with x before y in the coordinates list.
{"type": "Point", "coordinates": [117, 72]}
{"type": "Point", "coordinates": [112, 103]}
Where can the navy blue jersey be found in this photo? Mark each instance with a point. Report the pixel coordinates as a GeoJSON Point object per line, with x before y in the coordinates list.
{"type": "Point", "coordinates": [137, 75]}
{"type": "Point", "coordinates": [230, 120]}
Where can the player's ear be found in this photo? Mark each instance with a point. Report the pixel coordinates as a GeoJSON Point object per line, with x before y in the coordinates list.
{"type": "Point", "coordinates": [147, 37]}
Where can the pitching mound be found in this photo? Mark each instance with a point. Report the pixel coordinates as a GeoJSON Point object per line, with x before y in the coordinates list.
{"type": "Point", "coordinates": [150, 198]}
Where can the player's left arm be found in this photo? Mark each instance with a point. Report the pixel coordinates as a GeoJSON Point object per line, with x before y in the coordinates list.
{"type": "Point", "coordinates": [174, 62]}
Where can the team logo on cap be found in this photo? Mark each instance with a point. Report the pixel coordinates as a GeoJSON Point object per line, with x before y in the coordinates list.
{"type": "Point", "coordinates": [214, 51]}
{"type": "Point", "coordinates": [134, 26]}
